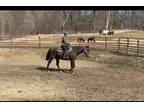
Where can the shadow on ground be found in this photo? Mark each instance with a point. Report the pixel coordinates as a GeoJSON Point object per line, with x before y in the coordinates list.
{"type": "Point", "coordinates": [52, 69]}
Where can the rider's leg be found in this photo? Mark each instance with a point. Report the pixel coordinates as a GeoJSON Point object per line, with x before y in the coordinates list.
{"type": "Point", "coordinates": [64, 51]}
{"type": "Point", "coordinates": [67, 51]}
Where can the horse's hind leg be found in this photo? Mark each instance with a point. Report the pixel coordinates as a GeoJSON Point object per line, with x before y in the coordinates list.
{"type": "Point", "coordinates": [49, 62]}
{"type": "Point", "coordinates": [72, 66]}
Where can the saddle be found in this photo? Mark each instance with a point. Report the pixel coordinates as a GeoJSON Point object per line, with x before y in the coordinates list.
{"type": "Point", "coordinates": [60, 50]}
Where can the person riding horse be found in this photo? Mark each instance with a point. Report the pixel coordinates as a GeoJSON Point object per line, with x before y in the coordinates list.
{"type": "Point", "coordinates": [65, 45]}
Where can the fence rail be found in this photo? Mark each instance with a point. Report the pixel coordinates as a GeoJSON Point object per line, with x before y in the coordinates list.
{"type": "Point", "coordinates": [124, 45]}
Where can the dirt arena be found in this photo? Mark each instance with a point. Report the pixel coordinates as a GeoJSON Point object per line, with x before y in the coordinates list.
{"type": "Point", "coordinates": [23, 77]}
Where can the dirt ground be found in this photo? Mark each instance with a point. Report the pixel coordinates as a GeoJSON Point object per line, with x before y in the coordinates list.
{"type": "Point", "coordinates": [23, 77]}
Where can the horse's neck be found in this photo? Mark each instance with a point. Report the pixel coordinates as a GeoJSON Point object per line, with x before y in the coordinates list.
{"type": "Point", "coordinates": [80, 50]}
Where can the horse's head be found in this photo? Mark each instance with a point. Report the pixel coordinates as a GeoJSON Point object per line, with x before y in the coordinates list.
{"type": "Point", "coordinates": [87, 50]}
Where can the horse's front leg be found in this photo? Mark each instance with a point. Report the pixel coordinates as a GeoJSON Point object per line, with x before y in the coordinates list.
{"type": "Point", "coordinates": [57, 63]}
{"type": "Point", "coordinates": [72, 66]}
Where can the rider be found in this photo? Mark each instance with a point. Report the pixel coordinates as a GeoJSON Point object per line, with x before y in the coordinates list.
{"type": "Point", "coordinates": [65, 45]}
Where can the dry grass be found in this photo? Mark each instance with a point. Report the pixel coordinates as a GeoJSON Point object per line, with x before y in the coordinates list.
{"type": "Point", "coordinates": [114, 59]}
{"type": "Point", "coordinates": [103, 77]}
{"type": "Point", "coordinates": [24, 78]}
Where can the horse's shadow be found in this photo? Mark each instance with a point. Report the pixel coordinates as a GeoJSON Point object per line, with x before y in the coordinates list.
{"type": "Point", "coordinates": [52, 69]}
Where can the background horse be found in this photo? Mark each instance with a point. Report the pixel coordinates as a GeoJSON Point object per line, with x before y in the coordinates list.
{"type": "Point", "coordinates": [100, 31]}
{"type": "Point", "coordinates": [105, 32]}
{"type": "Point", "coordinates": [80, 39]}
{"type": "Point", "coordinates": [91, 39]}
{"type": "Point", "coordinates": [53, 53]}
{"type": "Point", "coordinates": [111, 33]}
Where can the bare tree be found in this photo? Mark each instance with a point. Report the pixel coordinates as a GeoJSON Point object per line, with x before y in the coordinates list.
{"type": "Point", "coordinates": [108, 19]}
{"type": "Point", "coordinates": [33, 21]}
{"type": "Point", "coordinates": [94, 26]}
{"type": "Point", "coordinates": [66, 18]}
{"type": "Point", "coordinates": [3, 32]}
{"type": "Point", "coordinates": [121, 13]}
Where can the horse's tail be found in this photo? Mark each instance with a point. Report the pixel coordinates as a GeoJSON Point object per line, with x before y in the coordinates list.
{"type": "Point", "coordinates": [48, 54]}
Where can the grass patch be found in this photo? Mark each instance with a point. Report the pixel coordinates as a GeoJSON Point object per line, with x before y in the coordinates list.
{"type": "Point", "coordinates": [131, 34]}
{"type": "Point", "coordinates": [110, 58]}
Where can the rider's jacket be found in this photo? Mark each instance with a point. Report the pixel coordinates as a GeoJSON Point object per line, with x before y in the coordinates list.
{"type": "Point", "coordinates": [65, 40]}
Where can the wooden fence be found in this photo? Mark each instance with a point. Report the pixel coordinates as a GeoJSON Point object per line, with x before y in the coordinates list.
{"type": "Point", "coordinates": [123, 45]}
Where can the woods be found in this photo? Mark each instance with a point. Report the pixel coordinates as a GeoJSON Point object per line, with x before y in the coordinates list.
{"type": "Point", "coordinates": [18, 23]}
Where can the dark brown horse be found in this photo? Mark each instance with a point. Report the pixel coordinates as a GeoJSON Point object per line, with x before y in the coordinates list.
{"type": "Point", "coordinates": [91, 39]}
{"type": "Point", "coordinates": [79, 39]}
{"type": "Point", "coordinates": [111, 33]}
{"type": "Point", "coordinates": [54, 53]}
{"type": "Point", "coordinates": [100, 31]}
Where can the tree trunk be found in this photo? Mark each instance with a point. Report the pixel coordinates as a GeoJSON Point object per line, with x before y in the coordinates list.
{"type": "Point", "coordinates": [122, 19]}
{"type": "Point", "coordinates": [33, 22]}
{"type": "Point", "coordinates": [79, 15]}
{"type": "Point", "coordinates": [108, 19]}
{"type": "Point", "coordinates": [3, 28]}
{"type": "Point", "coordinates": [71, 20]}
{"type": "Point", "coordinates": [66, 18]}
{"type": "Point", "coordinates": [94, 26]}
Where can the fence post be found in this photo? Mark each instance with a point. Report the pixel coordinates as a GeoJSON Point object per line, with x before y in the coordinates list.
{"type": "Point", "coordinates": [105, 43]}
{"type": "Point", "coordinates": [26, 39]}
{"type": "Point", "coordinates": [39, 41]}
{"type": "Point", "coordinates": [11, 44]}
{"type": "Point", "coordinates": [127, 44]}
{"type": "Point", "coordinates": [137, 47]}
{"type": "Point", "coordinates": [118, 45]}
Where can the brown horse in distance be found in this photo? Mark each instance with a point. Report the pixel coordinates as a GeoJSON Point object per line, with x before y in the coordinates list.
{"type": "Point", "coordinates": [111, 33]}
{"type": "Point", "coordinates": [91, 39]}
{"type": "Point", "coordinates": [79, 39]}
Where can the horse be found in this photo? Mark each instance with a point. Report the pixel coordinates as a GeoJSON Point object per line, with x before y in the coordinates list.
{"type": "Point", "coordinates": [91, 39]}
{"type": "Point", "coordinates": [57, 53]}
{"type": "Point", "coordinates": [100, 31]}
{"type": "Point", "coordinates": [80, 39]}
{"type": "Point", "coordinates": [111, 33]}
{"type": "Point", "coordinates": [105, 32]}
